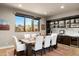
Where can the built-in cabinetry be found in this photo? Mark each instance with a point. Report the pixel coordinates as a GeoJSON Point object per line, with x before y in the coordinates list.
{"type": "Point", "coordinates": [64, 39]}
{"type": "Point", "coordinates": [68, 40]}
{"type": "Point", "coordinates": [65, 22]}
{"type": "Point", "coordinates": [71, 23]}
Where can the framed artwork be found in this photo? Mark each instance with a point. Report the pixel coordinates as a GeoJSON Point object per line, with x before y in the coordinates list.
{"type": "Point", "coordinates": [4, 25]}
{"type": "Point", "coordinates": [43, 27]}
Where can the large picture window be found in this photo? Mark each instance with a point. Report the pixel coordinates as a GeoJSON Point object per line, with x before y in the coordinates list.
{"type": "Point", "coordinates": [26, 24]}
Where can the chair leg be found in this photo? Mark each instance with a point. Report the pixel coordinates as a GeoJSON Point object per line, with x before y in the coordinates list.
{"type": "Point", "coordinates": [55, 46]}
{"type": "Point", "coordinates": [24, 52]}
{"type": "Point", "coordinates": [45, 50]}
{"type": "Point", "coordinates": [14, 52]}
{"type": "Point", "coordinates": [52, 48]}
{"type": "Point", "coordinates": [18, 53]}
{"type": "Point", "coordinates": [41, 52]}
{"type": "Point", "coordinates": [49, 49]}
{"type": "Point", "coordinates": [35, 53]}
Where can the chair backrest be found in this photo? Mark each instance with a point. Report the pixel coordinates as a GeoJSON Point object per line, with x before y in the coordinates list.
{"type": "Point", "coordinates": [27, 35]}
{"type": "Point", "coordinates": [47, 41]}
{"type": "Point", "coordinates": [54, 39]}
{"type": "Point", "coordinates": [54, 34]}
{"type": "Point", "coordinates": [18, 45]}
{"type": "Point", "coordinates": [16, 40]}
{"type": "Point", "coordinates": [39, 43]}
{"type": "Point", "coordinates": [33, 35]}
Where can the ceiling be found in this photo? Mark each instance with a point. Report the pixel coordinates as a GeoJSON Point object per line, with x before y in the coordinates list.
{"type": "Point", "coordinates": [46, 9]}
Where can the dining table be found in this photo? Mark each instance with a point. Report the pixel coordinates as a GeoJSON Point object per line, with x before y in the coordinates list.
{"type": "Point", "coordinates": [29, 44]}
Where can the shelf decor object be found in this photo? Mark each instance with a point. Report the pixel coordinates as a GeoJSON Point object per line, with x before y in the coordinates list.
{"type": "Point", "coordinates": [61, 31]}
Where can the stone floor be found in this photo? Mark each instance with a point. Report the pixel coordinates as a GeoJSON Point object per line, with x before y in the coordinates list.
{"type": "Point", "coordinates": [62, 50]}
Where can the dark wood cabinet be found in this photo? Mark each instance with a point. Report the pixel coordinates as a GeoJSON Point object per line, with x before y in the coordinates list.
{"type": "Point", "coordinates": [64, 39]}
{"type": "Point", "coordinates": [47, 27]}
{"type": "Point", "coordinates": [68, 40]}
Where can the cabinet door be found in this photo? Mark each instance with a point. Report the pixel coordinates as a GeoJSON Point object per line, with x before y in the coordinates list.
{"type": "Point", "coordinates": [47, 27]}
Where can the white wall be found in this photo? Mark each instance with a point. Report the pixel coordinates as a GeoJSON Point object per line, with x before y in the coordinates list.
{"type": "Point", "coordinates": [70, 31]}
{"type": "Point", "coordinates": [42, 21]}
{"type": "Point", "coordinates": [6, 35]}
{"type": "Point", "coordinates": [70, 13]}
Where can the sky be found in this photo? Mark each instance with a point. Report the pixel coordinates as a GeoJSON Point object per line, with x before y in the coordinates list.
{"type": "Point", "coordinates": [19, 20]}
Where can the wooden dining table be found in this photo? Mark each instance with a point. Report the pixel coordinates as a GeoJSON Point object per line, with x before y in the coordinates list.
{"type": "Point", "coordinates": [28, 43]}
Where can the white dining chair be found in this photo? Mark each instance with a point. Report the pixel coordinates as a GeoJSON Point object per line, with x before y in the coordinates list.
{"type": "Point", "coordinates": [27, 36]}
{"type": "Point", "coordinates": [18, 45]}
{"type": "Point", "coordinates": [47, 41]}
{"type": "Point", "coordinates": [54, 40]}
{"type": "Point", "coordinates": [38, 45]}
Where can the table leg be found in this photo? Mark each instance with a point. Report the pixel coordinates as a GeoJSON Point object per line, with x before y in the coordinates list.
{"type": "Point", "coordinates": [70, 41]}
{"type": "Point", "coordinates": [78, 42]}
{"type": "Point", "coordinates": [29, 50]}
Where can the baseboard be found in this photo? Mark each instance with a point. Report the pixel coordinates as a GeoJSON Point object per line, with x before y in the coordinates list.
{"type": "Point", "coordinates": [8, 46]}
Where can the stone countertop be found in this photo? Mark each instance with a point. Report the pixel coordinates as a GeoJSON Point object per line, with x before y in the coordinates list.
{"type": "Point", "coordinates": [73, 35]}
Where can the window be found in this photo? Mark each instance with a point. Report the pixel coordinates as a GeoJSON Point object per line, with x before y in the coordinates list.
{"type": "Point", "coordinates": [36, 24]}
{"type": "Point", "coordinates": [19, 24]}
{"type": "Point", "coordinates": [26, 24]}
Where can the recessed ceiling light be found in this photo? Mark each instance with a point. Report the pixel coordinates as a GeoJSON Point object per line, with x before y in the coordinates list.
{"type": "Point", "coordinates": [20, 5]}
{"type": "Point", "coordinates": [62, 7]}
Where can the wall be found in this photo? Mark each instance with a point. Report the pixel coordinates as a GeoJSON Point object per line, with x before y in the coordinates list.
{"type": "Point", "coordinates": [70, 13]}
{"type": "Point", "coordinates": [6, 35]}
{"type": "Point", "coordinates": [68, 31]}
{"type": "Point", "coordinates": [42, 21]}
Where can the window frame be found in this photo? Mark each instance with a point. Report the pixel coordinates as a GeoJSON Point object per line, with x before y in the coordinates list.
{"type": "Point", "coordinates": [25, 16]}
